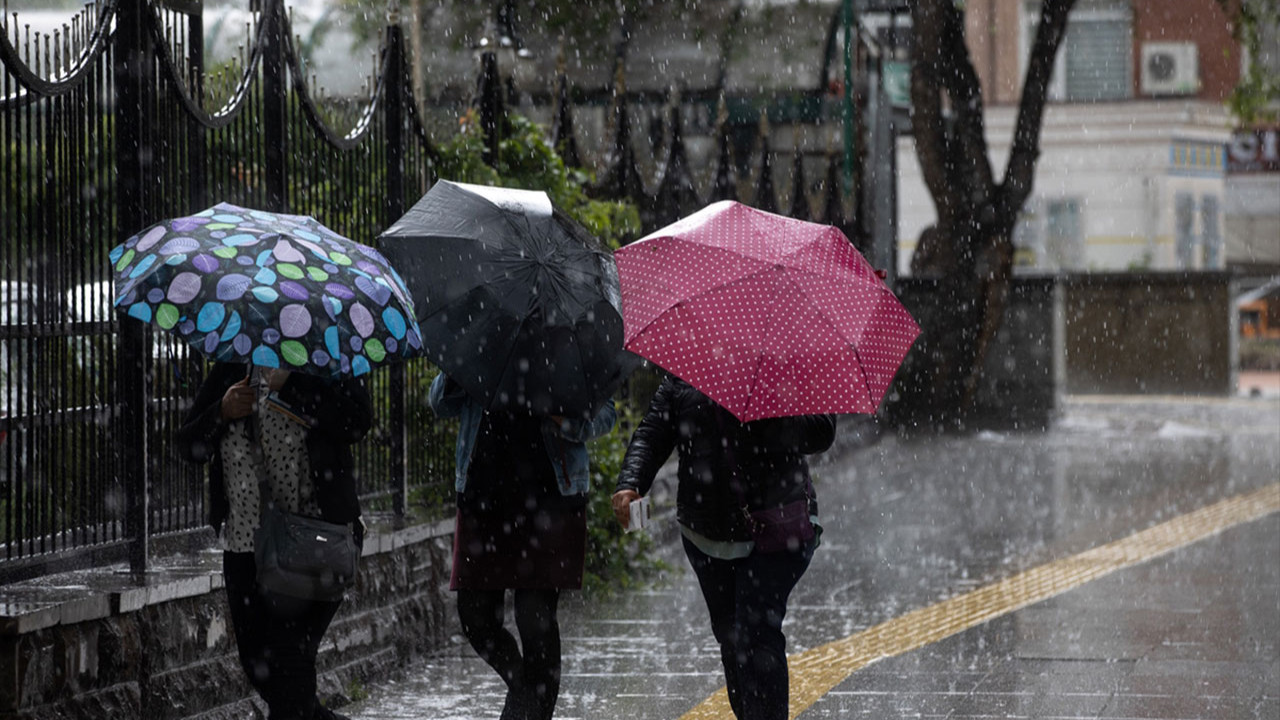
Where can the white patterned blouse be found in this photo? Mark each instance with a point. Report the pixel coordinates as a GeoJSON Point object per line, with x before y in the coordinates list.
{"type": "Point", "coordinates": [284, 446]}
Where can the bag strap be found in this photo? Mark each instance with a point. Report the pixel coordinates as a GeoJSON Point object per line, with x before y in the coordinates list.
{"type": "Point", "coordinates": [258, 381]}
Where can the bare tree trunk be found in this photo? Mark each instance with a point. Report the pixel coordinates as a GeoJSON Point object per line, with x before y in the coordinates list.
{"type": "Point", "coordinates": [968, 253]}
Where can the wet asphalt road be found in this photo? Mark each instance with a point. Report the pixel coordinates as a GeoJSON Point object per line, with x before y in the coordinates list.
{"type": "Point", "coordinates": [1194, 633]}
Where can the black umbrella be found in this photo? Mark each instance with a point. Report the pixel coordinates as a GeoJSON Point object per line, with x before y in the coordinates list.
{"type": "Point", "coordinates": [517, 302]}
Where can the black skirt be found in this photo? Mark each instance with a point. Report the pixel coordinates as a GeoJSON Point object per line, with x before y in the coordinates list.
{"type": "Point", "coordinates": [514, 528]}
{"type": "Point", "coordinates": [541, 550]}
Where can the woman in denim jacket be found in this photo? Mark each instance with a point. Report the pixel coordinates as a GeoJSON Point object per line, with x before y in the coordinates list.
{"type": "Point", "coordinates": [521, 482]}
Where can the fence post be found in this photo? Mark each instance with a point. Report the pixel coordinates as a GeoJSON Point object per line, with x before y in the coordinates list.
{"type": "Point", "coordinates": [275, 91]}
{"type": "Point", "coordinates": [725, 185]}
{"type": "Point", "coordinates": [394, 84]}
{"type": "Point", "coordinates": [489, 90]}
{"type": "Point", "coordinates": [134, 82]}
{"type": "Point", "coordinates": [198, 195]}
{"type": "Point", "coordinates": [562, 138]}
{"type": "Point", "coordinates": [766, 198]}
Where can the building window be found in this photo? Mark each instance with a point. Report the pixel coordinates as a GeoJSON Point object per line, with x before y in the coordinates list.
{"type": "Point", "coordinates": [1184, 218]}
{"type": "Point", "coordinates": [1028, 250]}
{"type": "Point", "coordinates": [1210, 236]}
{"type": "Point", "coordinates": [1064, 237]}
{"type": "Point", "coordinates": [1095, 60]}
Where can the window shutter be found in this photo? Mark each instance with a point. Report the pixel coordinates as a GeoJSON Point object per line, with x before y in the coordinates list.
{"type": "Point", "coordinates": [1098, 60]}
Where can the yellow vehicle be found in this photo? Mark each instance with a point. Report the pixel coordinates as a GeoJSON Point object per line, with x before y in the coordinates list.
{"type": "Point", "coordinates": [1259, 312]}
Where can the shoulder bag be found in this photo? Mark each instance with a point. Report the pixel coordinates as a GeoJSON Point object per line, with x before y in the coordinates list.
{"type": "Point", "coordinates": [299, 556]}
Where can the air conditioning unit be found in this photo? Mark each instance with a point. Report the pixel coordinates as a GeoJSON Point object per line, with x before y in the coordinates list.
{"type": "Point", "coordinates": [1170, 69]}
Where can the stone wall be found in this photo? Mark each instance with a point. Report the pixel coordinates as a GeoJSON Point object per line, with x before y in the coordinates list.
{"type": "Point", "coordinates": [97, 644]}
{"type": "Point", "coordinates": [1150, 333]}
{"type": "Point", "coordinates": [1102, 333]}
{"type": "Point", "coordinates": [1020, 382]}
{"type": "Point", "coordinates": [1022, 373]}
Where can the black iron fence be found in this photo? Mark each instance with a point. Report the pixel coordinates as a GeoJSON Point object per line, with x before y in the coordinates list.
{"type": "Point", "coordinates": [107, 125]}
{"type": "Point", "coordinates": [116, 121]}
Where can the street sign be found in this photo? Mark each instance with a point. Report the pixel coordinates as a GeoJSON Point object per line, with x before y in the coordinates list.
{"type": "Point", "coordinates": [897, 82]}
{"type": "Point", "coordinates": [1254, 150]}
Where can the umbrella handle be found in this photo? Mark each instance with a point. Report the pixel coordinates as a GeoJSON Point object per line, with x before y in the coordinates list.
{"type": "Point", "coordinates": [261, 385]}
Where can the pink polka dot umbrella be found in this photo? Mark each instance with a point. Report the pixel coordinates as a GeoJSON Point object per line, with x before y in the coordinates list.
{"type": "Point", "coordinates": [767, 315]}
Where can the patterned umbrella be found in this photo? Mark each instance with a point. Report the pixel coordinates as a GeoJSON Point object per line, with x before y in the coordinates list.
{"type": "Point", "coordinates": [767, 315]}
{"type": "Point", "coordinates": [268, 289]}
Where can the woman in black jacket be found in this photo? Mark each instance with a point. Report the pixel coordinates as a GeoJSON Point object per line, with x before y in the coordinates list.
{"type": "Point", "coordinates": [727, 470]}
{"type": "Point", "coordinates": [306, 434]}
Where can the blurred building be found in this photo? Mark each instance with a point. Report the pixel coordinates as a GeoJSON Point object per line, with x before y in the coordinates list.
{"type": "Point", "coordinates": [1142, 166]}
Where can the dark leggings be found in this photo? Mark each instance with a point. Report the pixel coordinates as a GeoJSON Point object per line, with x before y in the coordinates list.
{"type": "Point", "coordinates": [532, 677]}
{"type": "Point", "coordinates": [277, 638]}
{"type": "Point", "coordinates": [747, 601]}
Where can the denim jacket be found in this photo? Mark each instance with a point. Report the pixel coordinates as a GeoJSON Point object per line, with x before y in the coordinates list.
{"type": "Point", "coordinates": [565, 442]}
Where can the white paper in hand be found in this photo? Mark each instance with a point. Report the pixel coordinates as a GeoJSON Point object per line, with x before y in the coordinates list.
{"type": "Point", "coordinates": [639, 514]}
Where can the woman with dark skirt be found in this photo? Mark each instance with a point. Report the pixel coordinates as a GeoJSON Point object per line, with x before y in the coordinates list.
{"type": "Point", "coordinates": [521, 482]}
{"type": "Point", "coordinates": [730, 470]}
{"type": "Point", "coordinates": [306, 433]}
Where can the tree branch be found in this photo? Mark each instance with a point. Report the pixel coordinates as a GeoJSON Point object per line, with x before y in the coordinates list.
{"type": "Point", "coordinates": [965, 89]}
{"type": "Point", "coordinates": [928, 126]}
{"type": "Point", "coordinates": [1020, 173]}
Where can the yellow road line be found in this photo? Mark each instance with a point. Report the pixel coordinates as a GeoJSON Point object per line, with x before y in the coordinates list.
{"type": "Point", "coordinates": [816, 672]}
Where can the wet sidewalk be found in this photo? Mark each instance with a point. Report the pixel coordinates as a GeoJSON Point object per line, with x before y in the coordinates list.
{"type": "Point", "coordinates": [1125, 564]}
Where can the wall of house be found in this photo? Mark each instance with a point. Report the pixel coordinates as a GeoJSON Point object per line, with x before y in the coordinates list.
{"type": "Point", "coordinates": [1124, 168]}
{"type": "Point", "coordinates": [992, 28]}
{"type": "Point", "coordinates": [1123, 165]}
{"type": "Point", "coordinates": [1200, 21]}
{"type": "Point", "coordinates": [1167, 333]}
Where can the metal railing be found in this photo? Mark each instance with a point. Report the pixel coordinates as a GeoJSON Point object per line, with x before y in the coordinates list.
{"type": "Point", "coordinates": [117, 122]}
{"type": "Point", "coordinates": [107, 126]}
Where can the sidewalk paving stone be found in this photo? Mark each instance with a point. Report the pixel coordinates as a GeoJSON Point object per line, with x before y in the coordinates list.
{"type": "Point", "coordinates": [1194, 633]}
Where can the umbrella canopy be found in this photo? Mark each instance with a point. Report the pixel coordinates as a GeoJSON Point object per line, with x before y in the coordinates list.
{"type": "Point", "coordinates": [268, 289]}
{"type": "Point", "coordinates": [767, 315]}
{"type": "Point", "coordinates": [517, 302]}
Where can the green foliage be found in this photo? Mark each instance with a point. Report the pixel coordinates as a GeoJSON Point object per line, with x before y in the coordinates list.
{"type": "Point", "coordinates": [1256, 99]}
{"type": "Point", "coordinates": [42, 178]}
{"type": "Point", "coordinates": [615, 560]}
{"type": "Point", "coordinates": [1142, 264]}
{"type": "Point", "coordinates": [589, 25]}
{"type": "Point", "coordinates": [527, 160]}
{"type": "Point", "coordinates": [1259, 354]}
{"type": "Point", "coordinates": [356, 692]}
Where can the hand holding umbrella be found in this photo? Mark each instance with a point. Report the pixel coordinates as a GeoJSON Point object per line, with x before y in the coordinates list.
{"type": "Point", "coordinates": [239, 400]}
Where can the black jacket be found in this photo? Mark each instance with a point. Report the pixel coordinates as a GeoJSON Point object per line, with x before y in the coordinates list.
{"type": "Point", "coordinates": [341, 412]}
{"type": "Point", "coordinates": [767, 454]}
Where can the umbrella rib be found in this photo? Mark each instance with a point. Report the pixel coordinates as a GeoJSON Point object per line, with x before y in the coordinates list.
{"type": "Point", "coordinates": [862, 370]}
{"type": "Point", "coordinates": [507, 361]}
{"type": "Point", "coordinates": [774, 328]}
{"type": "Point", "coordinates": [690, 299]}
{"type": "Point", "coordinates": [775, 308]}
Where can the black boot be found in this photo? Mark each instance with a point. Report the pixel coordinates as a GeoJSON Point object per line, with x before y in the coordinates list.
{"type": "Point", "coordinates": [520, 704]}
